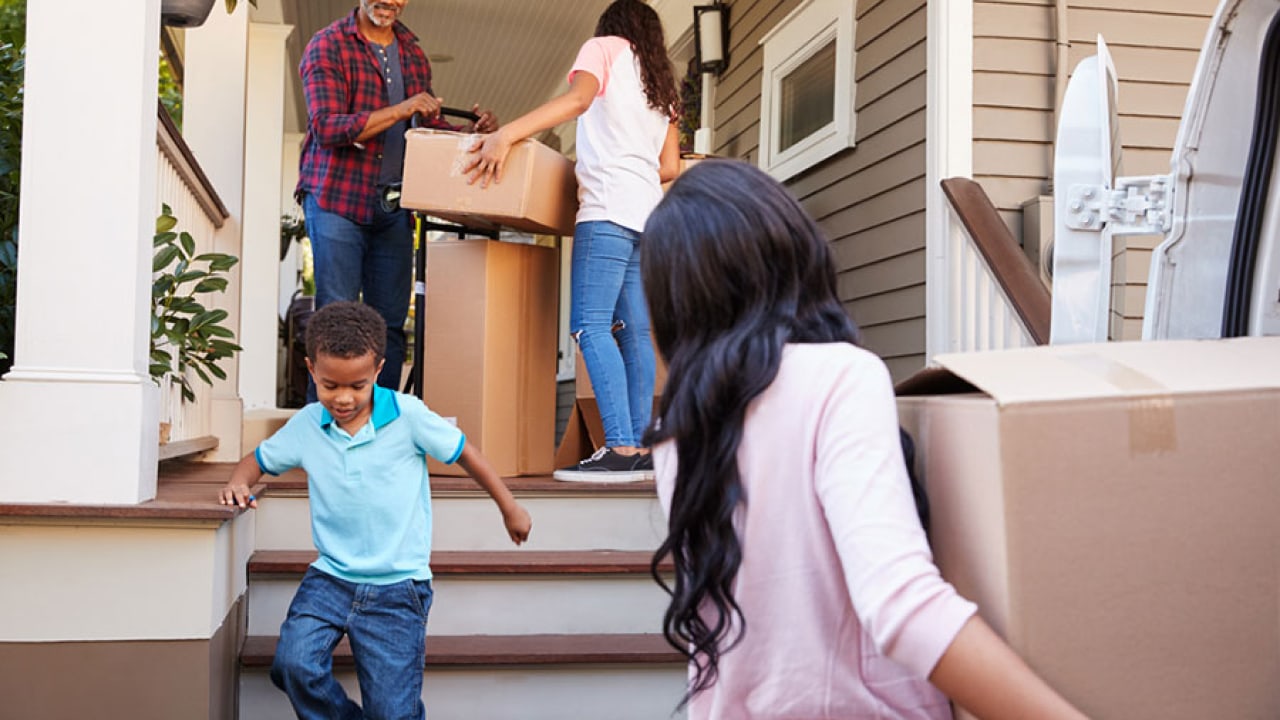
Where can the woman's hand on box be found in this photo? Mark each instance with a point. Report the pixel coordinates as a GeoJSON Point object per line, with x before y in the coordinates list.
{"type": "Point", "coordinates": [488, 158]}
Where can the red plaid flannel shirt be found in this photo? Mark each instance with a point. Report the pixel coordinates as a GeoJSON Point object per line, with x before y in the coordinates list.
{"type": "Point", "coordinates": [343, 85]}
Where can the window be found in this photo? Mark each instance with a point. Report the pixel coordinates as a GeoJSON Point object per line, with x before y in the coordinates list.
{"type": "Point", "coordinates": [807, 96]}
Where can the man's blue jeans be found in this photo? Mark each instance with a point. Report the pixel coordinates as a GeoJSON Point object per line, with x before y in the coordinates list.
{"type": "Point", "coordinates": [387, 626]}
{"type": "Point", "coordinates": [605, 287]}
{"type": "Point", "coordinates": [372, 262]}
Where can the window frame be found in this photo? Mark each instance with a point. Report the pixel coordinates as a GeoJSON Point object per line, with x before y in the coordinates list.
{"type": "Point", "coordinates": [797, 38]}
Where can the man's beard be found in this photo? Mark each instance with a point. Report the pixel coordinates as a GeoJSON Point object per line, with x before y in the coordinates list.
{"type": "Point", "coordinates": [369, 6]}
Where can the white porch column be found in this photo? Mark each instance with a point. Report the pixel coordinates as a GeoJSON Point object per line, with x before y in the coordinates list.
{"type": "Point", "coordinates": [80, 414]}
{"type": "Point", "coordinates": [260, 260]}
{"type": "Point", "coordinates": [213, 124]}
{"type": "Point", "coordinates": [949, 153]}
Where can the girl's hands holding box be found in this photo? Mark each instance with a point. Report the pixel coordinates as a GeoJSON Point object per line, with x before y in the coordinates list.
{"type": "Point", "coordinates": [488, 158]}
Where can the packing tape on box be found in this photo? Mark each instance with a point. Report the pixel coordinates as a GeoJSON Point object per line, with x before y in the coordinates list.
{"type": "Point", "coordinates": [1153, 426]}
{"type": "Point", "coordinates": [465, 145]}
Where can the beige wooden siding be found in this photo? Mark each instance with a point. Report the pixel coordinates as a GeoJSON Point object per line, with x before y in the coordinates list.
{"type": "Point", "coordinates": [1155, 44]}
{"type": "Point", "coordinates": [869, 200]}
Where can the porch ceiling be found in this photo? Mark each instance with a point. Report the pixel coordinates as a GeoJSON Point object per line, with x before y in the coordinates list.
{"type": "Point", "coordinates": [506, 55]}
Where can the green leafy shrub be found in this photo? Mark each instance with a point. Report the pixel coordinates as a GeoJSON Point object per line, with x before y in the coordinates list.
{"type": "Point", "coordinates": [184, 333]}
{"type": "Point", "coordinates": [11, 70]}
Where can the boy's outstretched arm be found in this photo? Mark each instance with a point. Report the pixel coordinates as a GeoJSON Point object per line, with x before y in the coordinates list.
{"type": "Point", "coordinates": [514, 516]}
{"type": "Point", "coordinates": [236, 491]}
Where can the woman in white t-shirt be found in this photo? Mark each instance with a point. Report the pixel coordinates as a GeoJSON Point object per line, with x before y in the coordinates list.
{"type": "Point", "coordinates": [624, 96]}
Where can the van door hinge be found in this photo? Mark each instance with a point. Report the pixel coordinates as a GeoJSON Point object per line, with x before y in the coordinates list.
{"type": "Point", "coordinates": [1136, 206]}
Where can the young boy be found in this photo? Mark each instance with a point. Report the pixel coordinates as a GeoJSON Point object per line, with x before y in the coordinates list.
{"type": "Point", "coordinates": [363, 448]}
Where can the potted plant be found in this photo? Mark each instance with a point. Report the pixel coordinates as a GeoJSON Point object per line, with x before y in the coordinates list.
{"type": "Point", "coordinates": [191, 13]}
{"type": "Point", "coordinates": [185, 335]}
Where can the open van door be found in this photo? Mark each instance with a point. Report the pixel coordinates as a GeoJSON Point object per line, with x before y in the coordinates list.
{"type": "Point", "coordinates": [1217, 271]}
{"type": "Point", "coordinates": [1086, 161]}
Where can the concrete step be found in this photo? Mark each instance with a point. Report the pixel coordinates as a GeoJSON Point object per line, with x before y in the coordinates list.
{"type": "Point", "coordinates": [529, 677]}
{"type": "Point", "coordinates": [507, 593]}
{"type": "Point", "coordinates": [566, 516]}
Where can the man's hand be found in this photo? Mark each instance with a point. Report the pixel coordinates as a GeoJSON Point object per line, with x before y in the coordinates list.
{"type": "Point", "coordinates": [487, 123]}
{"type": "Point", "coordinates": [421, 104]}
{"type": "Point", "coordinates": [518, 523]}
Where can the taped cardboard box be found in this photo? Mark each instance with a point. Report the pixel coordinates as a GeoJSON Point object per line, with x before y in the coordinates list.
{"type": "Point", "coordinates": [1113, 511]}
{"type": "Point", "coordinates": [584, 432]}
{"type": "Point", "coordinates": [538, 192]}
{"type": "Point", "coordinates": [490, 350]}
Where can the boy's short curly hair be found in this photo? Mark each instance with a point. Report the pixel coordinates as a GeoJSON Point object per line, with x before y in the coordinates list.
{"type": "Point", "coordinates": [346, 330]}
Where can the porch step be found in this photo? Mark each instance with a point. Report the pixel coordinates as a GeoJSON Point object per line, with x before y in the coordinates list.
{"type": "Point", "coordinates": [492, 650]}
{"type": "Point", "coordinates": [544, 677]}
{"type": "Point", "coordinates": [558, 592]}
{"type": "Point", "coordinates": [566, 516]}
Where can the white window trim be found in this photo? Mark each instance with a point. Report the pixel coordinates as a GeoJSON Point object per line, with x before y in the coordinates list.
{"type": "Point", "coordinates": [802, 33]}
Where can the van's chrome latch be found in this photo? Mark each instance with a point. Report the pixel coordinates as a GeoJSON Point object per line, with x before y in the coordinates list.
{"type": "Point", "coordinates": [1136, 206]}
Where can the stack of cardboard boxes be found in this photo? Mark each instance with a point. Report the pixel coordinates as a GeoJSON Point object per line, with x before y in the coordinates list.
{"type": "Point", "coordinates": [491, 321]}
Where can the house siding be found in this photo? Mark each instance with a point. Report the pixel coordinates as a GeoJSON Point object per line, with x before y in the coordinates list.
{"type": "Point", "coordinates": [1155, 45]}
{"type": "Point", "coordinates": [870, 199]}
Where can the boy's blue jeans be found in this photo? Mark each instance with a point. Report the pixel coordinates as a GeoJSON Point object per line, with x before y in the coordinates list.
{"type": "Point", "coordinates": [372, 262]}
{"type": "Point", "coordinates": [605, 287]}
{"type": "Point", "coordinates": [387, 627]}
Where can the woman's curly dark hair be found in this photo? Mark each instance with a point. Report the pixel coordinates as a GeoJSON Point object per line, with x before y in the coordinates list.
{"type": "Point", "coordinates": [734, 269]}
{"type": "Point", "coordinates": [639, 25]}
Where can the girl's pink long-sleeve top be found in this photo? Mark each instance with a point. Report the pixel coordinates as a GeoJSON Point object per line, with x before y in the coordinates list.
{"type": "Point", "coordinates": [846, 614]}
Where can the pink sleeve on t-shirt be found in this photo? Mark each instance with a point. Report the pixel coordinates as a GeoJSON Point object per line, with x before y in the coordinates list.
{"type": "Point", "coordinates": [597, 56]}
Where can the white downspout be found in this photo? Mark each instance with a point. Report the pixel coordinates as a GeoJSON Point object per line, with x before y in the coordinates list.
{"type": "Point", "coordinates": [949, 153]}
{"type": "Point", "coordinates": [1062, 57]}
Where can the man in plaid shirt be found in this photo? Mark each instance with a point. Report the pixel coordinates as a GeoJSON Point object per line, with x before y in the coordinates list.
{"type": "Point", "coordinates": [364, 77]}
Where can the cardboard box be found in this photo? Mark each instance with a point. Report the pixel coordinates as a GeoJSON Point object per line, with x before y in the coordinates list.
{"type": "Point", "coordinates": [1114, 510]}
{"type": "Point", "coordinates": [687, 160]}
{"type": "Point", "coordinates": [490, 350]}
{"type": "Point", "coordinates": [584, 432]}
{"type": "Point", "coordinates": [538, 192]}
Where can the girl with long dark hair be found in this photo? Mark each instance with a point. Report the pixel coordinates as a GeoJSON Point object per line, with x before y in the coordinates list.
{"type": "Point", "coordinates": [804, 586]}
{"type": "Point", "coordinates": [624, 96]}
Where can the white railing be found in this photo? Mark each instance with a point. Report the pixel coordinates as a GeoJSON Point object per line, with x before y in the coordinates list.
{"type": "Point", "coordinates": [995, 299]}
{"type": "Point", "coordinates": [181, 184]}
{"type": "Point", "coordinates": [982, 316]}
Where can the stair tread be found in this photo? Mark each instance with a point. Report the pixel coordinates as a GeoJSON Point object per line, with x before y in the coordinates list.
{"type": "Point", "coordinates": [185, 491]}
{"type": "Point", "coordinates": [296, 481]}
{"type": "Point", "coordinates": [445, 650]}
{"type": "Point", "coordinates": [498, 562]}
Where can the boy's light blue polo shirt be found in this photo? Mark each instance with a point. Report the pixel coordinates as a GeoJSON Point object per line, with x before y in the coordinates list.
{"type": "Point", "coordinates": [370, 494]}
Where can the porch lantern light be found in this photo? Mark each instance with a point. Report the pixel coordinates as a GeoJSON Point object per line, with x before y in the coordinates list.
{"type": "Point", "coordinates": [711, 37]}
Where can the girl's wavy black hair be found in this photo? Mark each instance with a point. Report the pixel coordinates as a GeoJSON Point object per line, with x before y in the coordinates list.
{"type": "Point", "coordinates": [733, 269]}
{"type": "Point", "coordinates": [639, 24]}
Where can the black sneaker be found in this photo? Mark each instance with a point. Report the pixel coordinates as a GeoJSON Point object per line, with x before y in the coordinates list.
{"type": "Point", "coordinates": [607, 466]}
{"type": "Point", "coordinates": [645, 464]}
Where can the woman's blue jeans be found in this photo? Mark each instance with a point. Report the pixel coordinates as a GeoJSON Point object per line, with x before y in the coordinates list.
{"type": "Point", "coordinates": [387, 626]}
{"type": "Point", "coordinates": [606, 289]}
{"type": "Point", "coordinates": [372, 262]}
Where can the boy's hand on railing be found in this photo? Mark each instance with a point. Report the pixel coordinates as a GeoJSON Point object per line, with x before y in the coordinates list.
{"type": "Point", "coordinates": [240, 495]}
{"type": "Point", "coordinates": [518, 523]}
